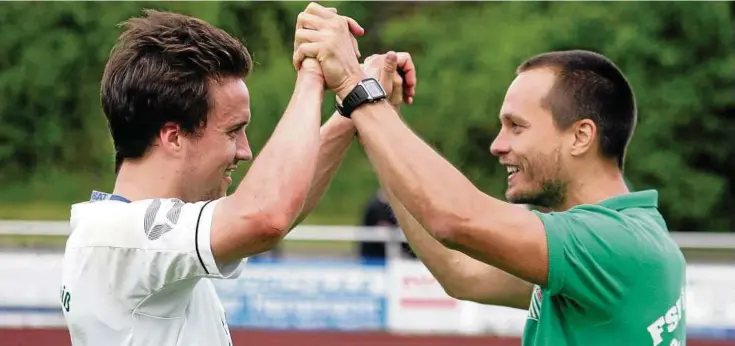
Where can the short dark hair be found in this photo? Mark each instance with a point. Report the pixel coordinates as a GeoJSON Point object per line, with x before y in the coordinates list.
{"type": "Point", "coordinates": [590, 86]}
{"type": "Point", "coordinates": [160, 71]}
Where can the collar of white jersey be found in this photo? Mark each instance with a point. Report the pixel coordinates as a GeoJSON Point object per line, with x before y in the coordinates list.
{"type": "Point", "coordinates": [104, 196]}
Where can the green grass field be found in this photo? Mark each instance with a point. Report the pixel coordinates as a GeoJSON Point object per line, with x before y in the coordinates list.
{"type": "Point", "coordinates": [34, 211]}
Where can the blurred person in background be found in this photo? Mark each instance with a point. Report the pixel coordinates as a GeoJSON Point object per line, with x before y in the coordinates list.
{"type": "Point", "coordinates": [137, 264]}
{"type": "Point", "coordinates": [379, 213]}
{"type": "Point", "coordinates": [600, 269]}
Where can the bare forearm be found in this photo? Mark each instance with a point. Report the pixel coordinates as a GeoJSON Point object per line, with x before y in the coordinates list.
{"type": "Point", "coordinates": [335, 138]}
{"type": "Point", "coordinates": [442, 262]}
{"type": "Point", "coordinates": [446, 203]}
{"type": "Point", "coordinates": [461, 276]}
{"type": "Point", "coordinates": [428, 185]}
{"type": "Point", "coordinates": [281, 175]}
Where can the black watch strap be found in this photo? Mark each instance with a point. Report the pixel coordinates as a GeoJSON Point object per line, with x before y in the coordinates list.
{"type": "Point", "coordinates": [355, 98]}
{"type": "Point", "coordinates": [367, 91]}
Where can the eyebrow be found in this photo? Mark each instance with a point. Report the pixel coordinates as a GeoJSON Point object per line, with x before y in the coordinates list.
{"type": "Point", "coordinates": [238, 125]}
{"type": "Point", "coordinates": [514, 118]}
{"type": "Point", "coordinates": [510, 116]}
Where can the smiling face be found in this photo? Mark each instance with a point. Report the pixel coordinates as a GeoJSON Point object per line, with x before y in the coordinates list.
{"type": "Point", "coordinates": [529, 144]}
{"type": "Point", "coordinates": [213, 154]}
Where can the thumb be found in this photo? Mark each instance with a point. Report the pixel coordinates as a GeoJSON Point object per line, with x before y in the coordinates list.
{"type": "Point", "coordinates": [391, 62]}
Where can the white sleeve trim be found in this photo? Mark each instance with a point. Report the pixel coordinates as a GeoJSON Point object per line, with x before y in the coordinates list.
{"type": "Point", "coordinates": [203, 234]}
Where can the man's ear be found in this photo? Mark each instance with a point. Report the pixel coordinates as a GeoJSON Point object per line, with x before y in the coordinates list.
{"type": "Point", "coordinates": [585, 135]}
{"type": "Point", "coordinates": [170, 137]}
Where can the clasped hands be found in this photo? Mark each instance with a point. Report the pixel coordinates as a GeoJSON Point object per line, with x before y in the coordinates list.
{"type": "Point", "coordinates": [325, 45]}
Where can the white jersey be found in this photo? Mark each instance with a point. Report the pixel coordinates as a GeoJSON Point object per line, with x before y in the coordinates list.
{"type": "Point", "coordinates": [137, 273]}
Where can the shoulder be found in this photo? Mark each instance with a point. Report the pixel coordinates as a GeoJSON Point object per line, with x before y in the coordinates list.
{"type": "Point", "coordinates": [630, 231]}
{"type": "Point", "coordinates": [604, 219]}
{"type": "Point", "coordinates": [120, 224]}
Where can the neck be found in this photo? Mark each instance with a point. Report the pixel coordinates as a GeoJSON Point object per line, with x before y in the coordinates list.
{"type": "Point", "coordinates": [596, 183]}
{"type": "Point", "coordinates": [143, 180]}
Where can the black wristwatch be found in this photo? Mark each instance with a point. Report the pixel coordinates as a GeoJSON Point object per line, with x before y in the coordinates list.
{"type": "Point", "coordinates": [368, 90]}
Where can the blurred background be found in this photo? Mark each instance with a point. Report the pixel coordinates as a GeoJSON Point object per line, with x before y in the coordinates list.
{"type": "Point", "coordinates": [344, 277]}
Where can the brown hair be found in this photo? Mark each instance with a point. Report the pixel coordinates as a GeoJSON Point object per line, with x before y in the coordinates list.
{"type": "Point", "coordinates": [160, 71]}
{"type": "Point", "coordinates": [590, 86]}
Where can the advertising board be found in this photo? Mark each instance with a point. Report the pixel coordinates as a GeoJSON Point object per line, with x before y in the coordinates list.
{"type": "Point", "coordinates": [346, 295]}
{"type": "Point", "coordinates": [710, 301]}
{"type": "Point", "coordinates": [418, 304]}
{"type": "Point", "coordinates": [306, 295]}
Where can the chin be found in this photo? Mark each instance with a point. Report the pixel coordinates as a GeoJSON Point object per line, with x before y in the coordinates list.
{"type": "Point", "coordinates": [522, 197]}
{"type": "Point", "coordinates": [512, 197]}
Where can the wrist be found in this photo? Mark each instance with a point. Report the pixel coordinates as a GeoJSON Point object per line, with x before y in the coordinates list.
{"type": "Point", "coordinates": [309, 78]}
{"type": "Point", "coordinates": [341, 125]}
{"type": "Point", "coordinates": [379, 109]}
{"type": "Point", "coordinates": [349, 83]}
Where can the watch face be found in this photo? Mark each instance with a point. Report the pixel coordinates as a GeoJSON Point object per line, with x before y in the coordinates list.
{"type": "Point", "coordinates": [374, 89]}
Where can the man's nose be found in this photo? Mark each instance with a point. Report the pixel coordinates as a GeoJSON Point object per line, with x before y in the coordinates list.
{"type": "Point", "coordinates": [244, 153]}
{"type": "Point", "coordinates": [500, 146]}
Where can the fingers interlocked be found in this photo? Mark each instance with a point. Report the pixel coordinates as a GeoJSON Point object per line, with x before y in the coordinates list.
{"type": "Point", "coordinates": [318, 24]}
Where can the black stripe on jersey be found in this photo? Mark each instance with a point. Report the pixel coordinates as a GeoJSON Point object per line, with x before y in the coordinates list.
{"type": "Point", "coordinates": [196, 237]}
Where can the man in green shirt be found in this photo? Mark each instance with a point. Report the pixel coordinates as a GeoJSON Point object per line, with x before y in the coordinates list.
{"type": "Point", "coordinates": [615, 277]}
{"type": "Point", "coordinates": [599, 269]}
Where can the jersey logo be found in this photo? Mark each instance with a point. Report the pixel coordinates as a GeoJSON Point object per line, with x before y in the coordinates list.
{"type": "Point", "coordinates": [154, 224]}
{"type": "Point", "coordinates": [534, 311]}
{"type": "Point", "coordinates": [65, 298]}
{"type": "Point", "coordinates": [667, 324]}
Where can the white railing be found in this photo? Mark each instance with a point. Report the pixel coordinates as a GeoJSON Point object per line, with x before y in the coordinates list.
{"type": "Point", "coordinates": [686, 240]}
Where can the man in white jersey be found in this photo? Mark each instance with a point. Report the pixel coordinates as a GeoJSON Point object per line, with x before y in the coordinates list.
{"type": "Point", "coordinates": [137, 263]}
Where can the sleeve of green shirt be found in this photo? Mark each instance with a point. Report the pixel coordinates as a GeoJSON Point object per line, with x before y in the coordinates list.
{"type": "Point", "coordinates": [591, 256]}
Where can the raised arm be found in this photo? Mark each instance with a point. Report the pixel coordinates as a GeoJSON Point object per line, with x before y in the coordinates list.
{"type": "Point", "coordinates": [461, 276]}
{"type": "Point", "coordinates": [441, 199]}
{"type": "Point", "coordinates": [337, 133]}
{"type": "Point", "coordinates": [270, 197]}
{"type": "Point", "coordinates": [446, 203]}
{"type": "Point", "coordinates": [335, 138]}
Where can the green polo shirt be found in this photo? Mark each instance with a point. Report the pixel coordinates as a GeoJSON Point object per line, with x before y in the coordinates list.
{"type": "Point", "coordinates": [616, 277]}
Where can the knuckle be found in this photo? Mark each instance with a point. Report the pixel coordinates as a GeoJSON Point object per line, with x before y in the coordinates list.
{"type": "Point", "coordinates": [337, 23]}
{"type": "Point", "coordinates": [332, 38]}
{"type": "Point", "coordinates": [405, 57]}
{"type": "Point", "coordinates": [302, 19]}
